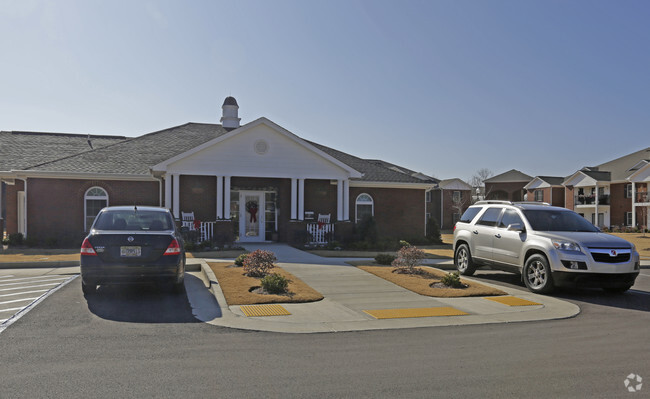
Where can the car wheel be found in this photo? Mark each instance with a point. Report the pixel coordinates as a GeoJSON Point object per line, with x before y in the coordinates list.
{"type": "Point", "coordinates": [88, 289]}
{"type": "Point", "coordinates": [463, 261]}
{"type": "Point", "coordinates": [537, 275]}
{"type": "Point", "coordinates": [617, 290]}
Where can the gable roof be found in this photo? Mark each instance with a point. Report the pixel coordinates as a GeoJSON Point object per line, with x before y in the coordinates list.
{"type": "Point", "coordinates": [511, 176]}
{"type": "Point", "coordinates": [117, 155]}
{"type": "Point", "coordinates": [19, 150]}
{"type": "Point", "coordinates": [401, 169]}
{"type": "Point", "coordinates": [454, 184]}
{"type": "Point", "coordinates": [619, 168]}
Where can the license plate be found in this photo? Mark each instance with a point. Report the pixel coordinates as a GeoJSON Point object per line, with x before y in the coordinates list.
{"type": "Point", "coordinates": [130, 251]}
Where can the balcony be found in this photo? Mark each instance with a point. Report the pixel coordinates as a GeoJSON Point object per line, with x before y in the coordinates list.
{"type": "Point", "coordinates": [641, 197]}
{"type": "Point", "coordinates": [590, 200]}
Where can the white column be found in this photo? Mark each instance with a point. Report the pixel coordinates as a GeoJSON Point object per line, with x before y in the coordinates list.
{"type": "Point", "coordinates": [219, 197]}
{"type": "Point", "coordinates": [301, 199]}
{"type": "Point", "coordinates": [168, 191]}
{"type": "Point", "coordinates": [294, 196]}
{"type": "Point", "coordinates": [346, 199]}
{"type": "Point", "coordinates": [339, 199]}
{"type": "Point", "coordinates": [596, 202]}
{"type": "Point", "coordinates": [176, 193]}
{"type": "Point", "coordinates": [633, 204]}
{"type": "Point", "coordinates": [226, 197]}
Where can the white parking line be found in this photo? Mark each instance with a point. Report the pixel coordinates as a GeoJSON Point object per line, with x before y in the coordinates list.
{"type": "Point", "coordinates": [22, 311]}
{"type": "Point", "coordinates": [22, 293]}
{"type": "Point", "coordinates": [4, 278]}
{"type": "Point", "coordinates": [31, 281]}
{"type": "Point", "coordinates": [12, 309]}
{"type": "Point", "coordinates": [29, 287]}
{"type": "Point", "coordinates": [17, 300]}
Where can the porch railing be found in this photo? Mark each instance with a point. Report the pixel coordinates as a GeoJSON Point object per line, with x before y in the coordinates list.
{"type": "Point", "coordinates": [591, 200]}
{"type": "Point", "coordinates": [641, 197]}
{"type": "Point", "coordinates": [321, 233]}
{"type": "Point", "coordinates": [205, 229]}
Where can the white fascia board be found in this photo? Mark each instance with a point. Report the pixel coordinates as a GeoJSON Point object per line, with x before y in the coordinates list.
{"type": "Point", "coordinates": [377, 184]}
{"type": "Point", "coordinates": [536, 183]}
{"type": "Point", "coordinates": [640, 176]}
{"type": "Point", "coordinates": [23, 174]}
{"type": "Point", "coordinates": [580, 179]}
{"type": "Point", "coordinates": [162, 167]}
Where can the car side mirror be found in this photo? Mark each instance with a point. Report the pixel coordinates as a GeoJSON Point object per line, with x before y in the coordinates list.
{"type": "Point", "coordinates": [516, 227]}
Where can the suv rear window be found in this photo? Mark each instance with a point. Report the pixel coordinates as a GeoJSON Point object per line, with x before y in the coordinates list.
{"type": "Point", "coordinates": [490, 217]}
{"type": "Point", "coordinates": [469, 215]}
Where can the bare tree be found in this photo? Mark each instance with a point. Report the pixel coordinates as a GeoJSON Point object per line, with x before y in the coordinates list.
{"type": "Point", "coordinates": [477, 181]}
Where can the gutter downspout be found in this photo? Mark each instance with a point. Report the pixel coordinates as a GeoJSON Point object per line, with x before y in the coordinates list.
{"type": "Point", "coordinates": [25, 205]}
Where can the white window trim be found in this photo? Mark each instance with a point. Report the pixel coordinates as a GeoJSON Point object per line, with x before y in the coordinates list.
{"type": "Point", "coordinates": [88, 197]}
{"type": "Point", "coordinates": [357, 203]}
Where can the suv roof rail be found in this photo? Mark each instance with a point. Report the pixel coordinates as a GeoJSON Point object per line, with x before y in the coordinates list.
{"type": "Point", "coordinates": [533, 203]}
{"type": "Point", "coordinates": [493, 202]}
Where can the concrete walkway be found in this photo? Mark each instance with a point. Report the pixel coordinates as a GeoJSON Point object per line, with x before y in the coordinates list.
{"type": "Point", "coordinates": [349, 291]}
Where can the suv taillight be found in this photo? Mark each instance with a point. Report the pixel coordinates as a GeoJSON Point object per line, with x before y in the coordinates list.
{"type": "Point", "coordinates": [173, 248]}
{"type": "Point", "coordinates": [87, 248]}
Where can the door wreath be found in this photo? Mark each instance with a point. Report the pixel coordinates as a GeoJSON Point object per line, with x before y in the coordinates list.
{"type": "Point", "coordinates": [252, 208]}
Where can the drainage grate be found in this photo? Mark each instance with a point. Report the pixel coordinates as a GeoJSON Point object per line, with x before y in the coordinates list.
{"type": "Point", "coordinates": [513, 301]}
{"type": "Point", "coordinates": [414, 312]}
{"type": "Point", "coordinates": [264, 310]}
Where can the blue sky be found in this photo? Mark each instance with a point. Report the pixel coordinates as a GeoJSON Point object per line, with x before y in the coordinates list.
{"type": "Point", "coordinates": [441, 87]}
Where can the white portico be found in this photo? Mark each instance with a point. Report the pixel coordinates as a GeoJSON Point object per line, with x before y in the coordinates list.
{"type": "Point", "coordinates": [263, 150]}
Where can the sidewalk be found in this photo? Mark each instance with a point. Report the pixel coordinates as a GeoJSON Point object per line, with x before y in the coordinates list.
{"type": "Point", "coordinates": [350, 293]}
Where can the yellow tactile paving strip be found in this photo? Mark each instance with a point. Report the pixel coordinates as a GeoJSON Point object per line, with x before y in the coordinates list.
{"type": "Point", "coordinates": [264, 310]}
{"type": "Point", "coordinates": [512, 301]}
{"type": "Point", "coordinates": [414, 312]}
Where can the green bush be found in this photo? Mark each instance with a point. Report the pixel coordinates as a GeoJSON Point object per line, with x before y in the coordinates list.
{"type": "Point", "coordinates": [404, 244]}
{"type": "Point", "coordinates": [51, 242]}
{"type": "Point", "coordinates": [240, 260]}
{"type": "Point", "coordinates": [451, 280]}
{"type": "Point", "coordinates": [433, 231]}
{"type": "Point", "coordinates": [15, 239]}
{"type": "Point", "coordinates": [366, 230]}
{"type": "Point", "coordinates": [274, 283]}
{"type": "Point", "coordinates": [31, 242]}
{"type": "Point", "coordinates": [385, 259]}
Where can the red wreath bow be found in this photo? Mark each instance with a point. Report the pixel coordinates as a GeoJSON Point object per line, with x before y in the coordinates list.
{"type": "Point", "coordinates": [197, 224]}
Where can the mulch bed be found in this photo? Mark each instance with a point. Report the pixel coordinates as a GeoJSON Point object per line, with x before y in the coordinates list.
{"type": "Point", "coordinates": [240, 289]}
{"type": "Point", "coordinates": [427, 282]}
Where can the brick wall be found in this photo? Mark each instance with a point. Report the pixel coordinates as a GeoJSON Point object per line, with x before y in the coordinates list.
{"type": "Point", "coordinates": [55, 207]}
{"type": "Point", "coordinates": [619, 205]}
{"type": "Point", "coordinates": [399, 213]}
{"type": "Point", "coordinates": [199, 195]}
{"type": "Point", "coordinates": [512, 191]}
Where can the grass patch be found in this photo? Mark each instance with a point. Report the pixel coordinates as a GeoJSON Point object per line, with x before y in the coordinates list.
{"type": "Point", "coordinates": [237, 287]}
{"type": "Point", "coordinates": [365, 254]}
{"type": "Point", "coordinates": [421, 283]}
{"type": "Point", "coordinates": [16, 255]}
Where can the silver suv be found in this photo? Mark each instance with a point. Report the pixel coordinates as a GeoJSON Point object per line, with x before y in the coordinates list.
{"type": "Point", "coordinates": [549, 246]}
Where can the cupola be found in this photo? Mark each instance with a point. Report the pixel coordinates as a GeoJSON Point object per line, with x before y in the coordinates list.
{"type": "Point", "coordinates": [229, 113]}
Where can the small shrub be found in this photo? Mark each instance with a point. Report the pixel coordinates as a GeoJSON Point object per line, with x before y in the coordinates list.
{"type": "Point", "coordinates": [5, 241]}
{"type": "Point", "coordinates": [258, 263]}
{"type": "Point", "coordinates": [407, 259]}
{"type": "Point", "coordinates": [240, 260]}
{"type": "Point", "coordinates": [385, 259]}
{"type": "Point", "coordinates": [334, 245]}
{"type": "Point", "coordinates": [452, 280]}
{"type": "Point", "coordinates": [274, 283]}
{"type": "Point", "coordinates": [404, 244]}
{"type": "Point", "coordinates": [15, 239]}
{"type": "Point", "coordinates": [433, 231]}
{"type": "Point", "coordinates": [189, 246]}
{"type": "Point", "coordinates": [51, 242]}
{"type": "Point", "coordinates": [366, 230]}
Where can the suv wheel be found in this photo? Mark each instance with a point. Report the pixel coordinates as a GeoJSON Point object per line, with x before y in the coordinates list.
{"type": "Point", "coordinates": [537, 275]}
{"type": "Point", "coordinates": [463, 261]}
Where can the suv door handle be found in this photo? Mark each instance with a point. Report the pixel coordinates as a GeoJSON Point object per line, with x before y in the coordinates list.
{"type": "Point", "coordinates": [497, 235]}
{"type": "Point", "coordinates": [475, 231]}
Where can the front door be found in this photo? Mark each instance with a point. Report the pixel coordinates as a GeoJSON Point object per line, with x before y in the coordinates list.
{"type": "Point", "coordinates": [251, 216]}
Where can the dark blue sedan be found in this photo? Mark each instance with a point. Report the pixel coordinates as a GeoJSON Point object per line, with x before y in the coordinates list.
{"type": "Point", "coordinates": [133, 245]}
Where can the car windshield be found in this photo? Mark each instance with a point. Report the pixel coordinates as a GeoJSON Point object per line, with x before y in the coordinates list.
{"type": "Point", "coordinates": [133, 220]}
{"type": "Point", "coordinates": [557, 220]}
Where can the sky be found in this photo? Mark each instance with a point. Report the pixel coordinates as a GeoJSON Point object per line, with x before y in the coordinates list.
{"type": "Point", "coordinates": [440, 87]}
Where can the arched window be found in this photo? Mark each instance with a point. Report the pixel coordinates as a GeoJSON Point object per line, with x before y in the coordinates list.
{"type": "Point", "coordinates": [364, 207]}
{"type": "Point", "coordinates": [95, 199]}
